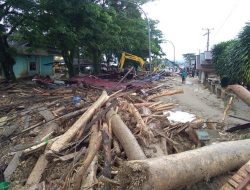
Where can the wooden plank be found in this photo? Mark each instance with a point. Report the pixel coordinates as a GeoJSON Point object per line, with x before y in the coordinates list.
{"type": "Point", "coordinates": [242, 173]}
{"type": "Point", "coordinates": [237, 178]}
{"type": "Point", "coordinates": [48, 115]}
{"type": "Point", "coordinates": [233, 183]}
{"type": "Point", "coordinates": [227, 187]}
{"type": "Point", "coordinates": [12, 166]}
{"type": "Point", "coordinates": [240, 180]}
{"type": "Point", "coordinates": [69, 156]}
{"type": "Point", "coordinates": [37, 171]}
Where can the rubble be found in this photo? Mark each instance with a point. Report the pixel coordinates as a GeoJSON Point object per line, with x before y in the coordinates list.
{"type": "Point", "coordinates": [79, 134]}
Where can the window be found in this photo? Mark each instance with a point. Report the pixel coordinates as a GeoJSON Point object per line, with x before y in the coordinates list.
{"type": "Point", "coordinates": [32, 66]}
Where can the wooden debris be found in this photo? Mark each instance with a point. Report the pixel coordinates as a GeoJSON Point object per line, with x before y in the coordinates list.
{"type": "Point", "coordinates": [12, 166]}
{"type": "Point", "coordinates": [164, 93]}
{"type": "Point", "coordinates": [94, 145]}
{"type": "Point", "coordinates": [36, 174]}
{"type": "Point", "coordinates": [228, 107]}
{"type": "Point", "coordinates": [186, 168]}
{"type": "Point", "coordinates": [68, 156]}
{"type": "Point", "coordinates": [241, 92]}
{"type": "Point", "coordinates": [137, 129]}
{"type": "Point", "coordinates": [38, 146]}
{"type": "Point", "coordinates": [145, 133]}
{"type": "Point", "coordinates": [240, 180]}
{"type": "Point", "coordinates": [80, 123]}
{"type": "Point", "coordinates": [40, 186]}
{"type": "Point", "coordinates": [107, 180]}
{"type": "Point", "coordinates": [125, 137]}
{"type": "Point", "coordinates": [90, 180]}
{"type": "Point", "coordinates": [238, 127]}
{"type": "Point", "coordinates": [46, 114]}
{"type": "Point", "coordinates": [117, 149]}
{"type": "Point", "coordinates": [106, 137]}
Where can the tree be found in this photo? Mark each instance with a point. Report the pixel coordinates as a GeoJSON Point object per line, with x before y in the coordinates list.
{"type": "Point", "coordinates": [91, 29]}
{"type": "Point", "coordinates": [232, 58]}
{"type": "Point", "coordinates": [244, 38]}
{"type": "Point", "coordinates": [12, 14]}
{"type": "Point", "coordinates": [220, 53]}
{"type": "Point", "coordinates": [189, 57]}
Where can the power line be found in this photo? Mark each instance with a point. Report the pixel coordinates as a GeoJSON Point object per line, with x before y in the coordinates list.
{"type": "Point", "coordinates": [228, 16]}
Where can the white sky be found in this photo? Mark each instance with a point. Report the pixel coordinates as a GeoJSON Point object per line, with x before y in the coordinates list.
{"type": "Point", "coordinates": [181, 22]}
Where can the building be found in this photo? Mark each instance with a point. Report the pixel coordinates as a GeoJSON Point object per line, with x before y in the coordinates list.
{"type": "Point", "coordinates": [204, 65]}
{"type": "Point", "coordinates": [30, 62]}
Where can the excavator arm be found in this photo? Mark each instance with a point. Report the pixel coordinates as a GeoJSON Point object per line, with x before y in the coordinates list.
{"type": "Point", "coordinates": [131, 57]}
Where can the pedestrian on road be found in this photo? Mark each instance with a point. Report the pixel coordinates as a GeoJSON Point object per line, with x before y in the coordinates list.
{"type": "Point", "coordinates": [183, 75]}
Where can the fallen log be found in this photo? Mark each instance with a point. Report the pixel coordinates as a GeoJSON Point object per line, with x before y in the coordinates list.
{"type": "Point", "coordinates": [164, 105]}
{"type": "Point", "coordinates": [186, 168]}
{"type": "Point", "coordinates": [94, 145]}
{"type": "Point", "coordinates": [125, 136]}
{"type": "Point", "coordinates": [145, 132]}
{"type": "Point", "coordinates": [116, 149]}
{"type": "Point", "coordinates": [69, 156]}
{"type": "Point", "coordinates": [12, 166]}
{"type": "Point", "coordinates": [106, 137]}
{"type": "Point", "coordinates": [241, 92]}
{"type": "Point", "coordinates": [239, 127]}
{"type": "Point", "coordinates": [79, 124]}
{"type": "Point", "coordinates": [228, 107]}
{"type": "Point", "coordinates": [164, 93]}
{"type": "Point", "coordinates": [90, 179]}
{"type": "Point", "coordinates": [37, 171]}
{"type": "Point", "coordinates": [38, 146]}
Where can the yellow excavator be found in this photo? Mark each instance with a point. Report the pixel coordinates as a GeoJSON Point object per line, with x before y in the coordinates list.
{"type": "Point", "coordinates": [131, 57]}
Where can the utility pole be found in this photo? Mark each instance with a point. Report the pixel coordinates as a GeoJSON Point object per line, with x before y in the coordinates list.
{"type": "Point", "coordinates": [208, 36]}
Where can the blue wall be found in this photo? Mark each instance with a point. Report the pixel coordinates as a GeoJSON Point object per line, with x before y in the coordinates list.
{"type": "Point", "coordinates": [46, 69]}
{"type": "Point", "coordinates": [21, 68]}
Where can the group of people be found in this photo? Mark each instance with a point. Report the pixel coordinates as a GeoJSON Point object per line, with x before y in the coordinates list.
{"type": "Point", "coordinates": [186, 71]}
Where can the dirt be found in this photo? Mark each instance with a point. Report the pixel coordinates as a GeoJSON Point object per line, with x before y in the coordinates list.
{"type": "Point", "coordinates": [197, 99]}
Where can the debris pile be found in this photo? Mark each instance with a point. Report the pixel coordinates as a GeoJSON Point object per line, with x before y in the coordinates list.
{"type": "Point", "coordinates": [78, 137]}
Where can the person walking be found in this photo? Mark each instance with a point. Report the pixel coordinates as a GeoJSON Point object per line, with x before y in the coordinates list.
{"type": "Point", "coordinates": [183, 75]}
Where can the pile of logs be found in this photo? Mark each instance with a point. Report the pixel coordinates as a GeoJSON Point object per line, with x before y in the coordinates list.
{"type": "Point", "coordinates": [119, 140]}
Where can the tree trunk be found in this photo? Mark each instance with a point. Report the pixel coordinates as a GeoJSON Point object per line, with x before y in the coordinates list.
{"type": "Point", "coordinates": [125, 137]}
{"type": "Point", "coordinates": [68, 57]}
{"type": "Point", "coordinates": [186, 168]}
{"type": "Point", "coordinates": [96, 61]}
{"type": "Point", "coordinates": [241, 92]}
{"type": "Point", "coordinates": [6, 59]}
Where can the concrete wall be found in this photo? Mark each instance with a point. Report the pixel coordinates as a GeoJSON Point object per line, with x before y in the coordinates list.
{"type": "Point", "coordinates": [21, 68]}
{"type": "Point", "coordinates": [46, 69]}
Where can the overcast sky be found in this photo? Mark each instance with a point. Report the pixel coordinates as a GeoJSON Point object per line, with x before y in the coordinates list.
{"type": "Point", "coordinates": [182, 21]}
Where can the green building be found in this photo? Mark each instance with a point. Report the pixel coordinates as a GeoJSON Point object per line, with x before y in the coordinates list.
{"type": "Point", "coordinates": [31, 62]}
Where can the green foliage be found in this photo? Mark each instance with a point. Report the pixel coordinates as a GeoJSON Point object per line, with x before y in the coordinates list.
{"type": "Point", "coordinates": [86, 28]}
{"type": "Point", "coordinates": [232, 58]}
{"type": "Point", "coordinates": [12, 15]}
{"type": "Point", "coordinates": [220, 56]}
{"type": "Point", "coordinates": [244, 39]}
{"type": "Point", "coordinates": [189, 57]}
